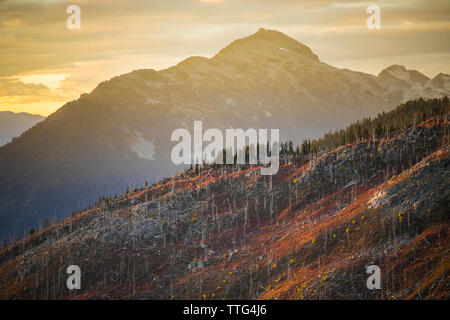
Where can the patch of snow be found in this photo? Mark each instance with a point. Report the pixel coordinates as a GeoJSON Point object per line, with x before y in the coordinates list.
{"type": "Point", "coordinates": [230, 101]}
{"type": "Point", "coordinates": [184, 124]}
{"type": "Point", "coordinates": [143, 148]}
{"type": "Point", "coordinates": [151, 101]}
{"type": "Point", "coordinates": [154, 84]}
{"type": "Point", "coordinates": [401, 74]}
{"type": "Point", "coordinates": [267, 113]}
{"type": "Point", "coordinates": [284, 49]}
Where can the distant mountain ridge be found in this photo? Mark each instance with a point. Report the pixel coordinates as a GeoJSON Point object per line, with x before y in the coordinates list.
{"type": "Point", "coordinates": [93, 146]}
{"type": "Point", "coordinates": [415, 83]}
{"type": "Point", "coordinates": [14, 124]}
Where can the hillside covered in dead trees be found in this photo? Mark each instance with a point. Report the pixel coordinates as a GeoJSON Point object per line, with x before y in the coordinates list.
{"type": "Point", "coordinates": [377, 196]}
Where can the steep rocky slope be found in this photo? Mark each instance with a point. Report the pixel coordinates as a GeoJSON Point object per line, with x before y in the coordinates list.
{"type": "Point", "coordinates": [306, 233]}
{"type": "Point", "coordinates": [119, 134]}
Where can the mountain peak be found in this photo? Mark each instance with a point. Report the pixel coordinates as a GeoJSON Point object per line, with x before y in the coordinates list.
{"type": "Point", "coordinates": [441, 75]}
{"type": "Point", "coordinates": [396, 67]}
{"type": "Point", "coordinates": [267, 43]}
{"type": "Point", "coordinates": [260, 30]}
{"type": "Point", "coordinates": [398, 72]}
{"type": "Point", "coordinates": [441, 81]}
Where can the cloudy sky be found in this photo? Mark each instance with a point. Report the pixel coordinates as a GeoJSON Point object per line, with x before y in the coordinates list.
{"type": "Point", "coordinates": [43, 64]}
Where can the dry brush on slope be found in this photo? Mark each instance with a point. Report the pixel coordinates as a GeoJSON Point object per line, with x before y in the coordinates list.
{"type": "Point", "coordinates": [223, 233]}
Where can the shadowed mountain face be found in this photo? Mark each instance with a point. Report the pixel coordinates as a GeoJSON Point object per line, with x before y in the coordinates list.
{"type": "Point", "coordinates": [119, 134]}
{"type": "Point", "coordinates": [14, 124]}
